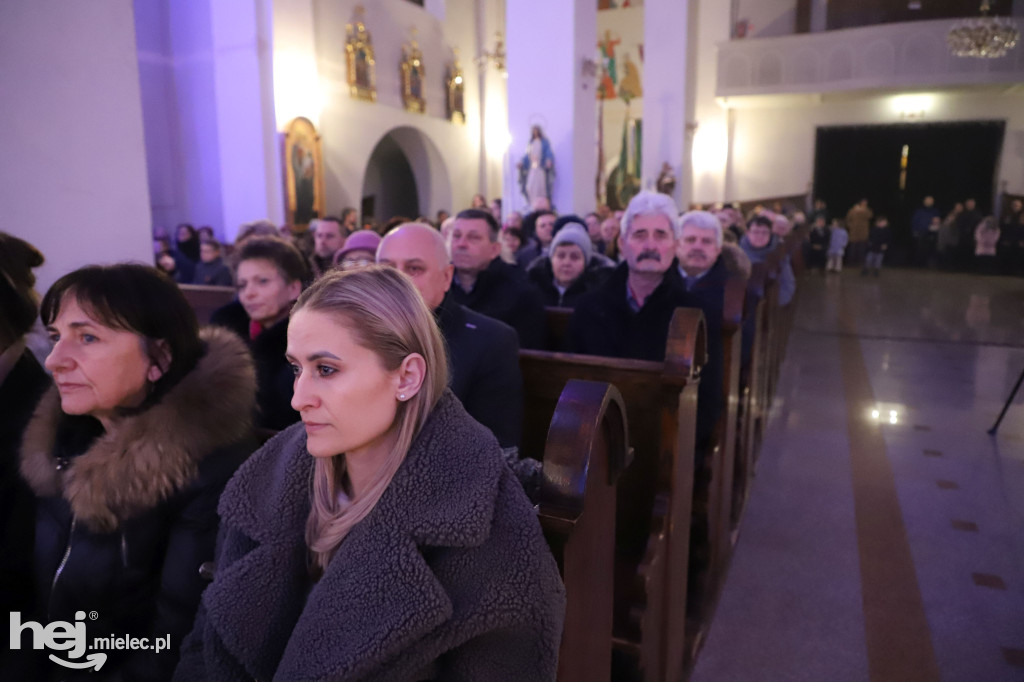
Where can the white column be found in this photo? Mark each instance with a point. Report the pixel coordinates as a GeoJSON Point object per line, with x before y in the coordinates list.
{"type": "Point", "coordinates": [547, 44]}
{"type": "Point", "coordinates": [250, 169]}
{"type": "Point", "coordinates": [666, 79]}
{"type": "Point", "coordinates": [709, 155]}
{"type": "Point", "coordinates": [73, 173]}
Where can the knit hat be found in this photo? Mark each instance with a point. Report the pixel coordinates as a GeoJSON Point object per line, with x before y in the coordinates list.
{"type": "Point", "coordinates": [360, 240]}
{"type": "Point", "coordinates": [574, 234]}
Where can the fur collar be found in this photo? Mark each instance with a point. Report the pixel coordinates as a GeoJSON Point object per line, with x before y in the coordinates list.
{"type": "Point", "coordinates": [151, 455]}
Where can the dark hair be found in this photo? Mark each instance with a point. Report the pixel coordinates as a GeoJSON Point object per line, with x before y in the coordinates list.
{"type": "Point", "coordinates": [514, 231]}
{"type": "Point", "coordinates": [345, 213]}
{"type": "Point", "coordinates": [285, 257]}
{"type": "Point", "coordinates": [214, 243]}
{"type": "Point", "coordinates": [191, 231]}
{"type": "Point", "coordinates": [139, 299]}
{"type": "Point", "coordinates": [562, 221]}
{"type": "Point", "coordinates": [762, 220]}
{"type": "Point", "coordinates": [17, 299]}
{"type": "Point", "coordinates": [480, 214]}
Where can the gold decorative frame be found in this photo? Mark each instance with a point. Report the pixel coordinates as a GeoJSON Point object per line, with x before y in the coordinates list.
{"type": "Point", "coordinates": [303, 174]}
{"type": "Point", "coordinates": [362, 65]}
{"type": "Point", "coordinates": [413, 76]}
{"type": "Point", "coordinates": [455, 84]}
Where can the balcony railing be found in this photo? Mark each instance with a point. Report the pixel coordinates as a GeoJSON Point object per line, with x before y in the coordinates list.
{"type": "Point", "coordinates": [890, 56]}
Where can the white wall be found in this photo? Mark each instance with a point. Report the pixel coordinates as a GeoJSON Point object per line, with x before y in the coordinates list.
{"type": "Point", "coordinates": [73, 176]}
{"type": "Point", "coordinates": [444, 156]}
{"type": "Point", "coordinates": [773, 147]}
{"type": "Point", "coordinates": [710, 139]}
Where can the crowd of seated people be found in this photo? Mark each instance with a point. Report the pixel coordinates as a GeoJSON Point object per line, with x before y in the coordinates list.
{"type": "Point", "coordinates": [387, 392]}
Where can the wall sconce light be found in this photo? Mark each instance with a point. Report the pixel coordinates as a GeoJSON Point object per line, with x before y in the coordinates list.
{"type": "Point", "coordinates": [912, 107]}
{"type": "Point", "coordinates": [496, 56]}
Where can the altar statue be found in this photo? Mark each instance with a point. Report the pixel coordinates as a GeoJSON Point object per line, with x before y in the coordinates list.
{"type": "Point", "coordinates": [537, 167]}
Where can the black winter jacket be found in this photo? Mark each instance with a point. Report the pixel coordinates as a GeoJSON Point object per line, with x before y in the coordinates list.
{"type": "Point", "coordinates": [484, 361]}
{"type": "Point", "coordinates": [503, 292]}
{"type": "Point", "coordinates": [604, 324]}
{"type": "Point", "coordinates": [447, 578]}
{"type": "Point", "coordinates": [708, 294]}
{"type": "Point", "coordinates": [273, 373]}
{"type": "Point", "coordinates": [19, 394]}
{"type": "Point", "coordinates": [125, 519]}
{"type": "Point", "coordinates": [542, 276]}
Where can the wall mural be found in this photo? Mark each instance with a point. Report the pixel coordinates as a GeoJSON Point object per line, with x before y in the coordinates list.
{"type": "Point", "coordinates": [412, 76]}
{"type": "Point", "coordinates": [620, 99]}
{"type": "Point", "coordinates": [362, 65]}
{"type": "Point", "coordinates": [303, 174]}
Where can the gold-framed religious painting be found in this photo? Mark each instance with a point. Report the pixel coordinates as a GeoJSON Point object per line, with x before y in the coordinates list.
{"type": "Point", "coordinates": [303, 174]}
{"type": "Point", "coordinates": [359, 56]}
{"type": "Point", "coordinates": [454, 85]}
{"type": "Point", "coordinates": [412, 76]}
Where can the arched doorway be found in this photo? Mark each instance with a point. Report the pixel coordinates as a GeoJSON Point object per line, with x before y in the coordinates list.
{"type": "Point", "coordinates": [389, 186]}
{"type": "Point", "coordinates": [405, 176]}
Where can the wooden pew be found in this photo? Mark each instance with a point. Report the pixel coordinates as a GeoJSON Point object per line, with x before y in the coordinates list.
{"type": "Point", "coordinates": [726, 430]}
{"type": "Point", "coordinates": [585, 450]}
{"type": "Point", "coordinates": [654, 494]}
{"type": "Point", "coordinates": [750, 392]}
{"type": "Point", "coordinates": [206, 299]}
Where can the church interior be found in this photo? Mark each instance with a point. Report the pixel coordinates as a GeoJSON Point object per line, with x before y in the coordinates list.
{"type": "Point", "coordinates": [881, 534]}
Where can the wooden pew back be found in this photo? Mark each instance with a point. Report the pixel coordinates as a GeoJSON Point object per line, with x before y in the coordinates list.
{"type": "Point", "coordinates": [206, 299]}
{"type": "Point", "coordinates": [654, 494]}
{"type": "Point", "coordinates": [586, 449]}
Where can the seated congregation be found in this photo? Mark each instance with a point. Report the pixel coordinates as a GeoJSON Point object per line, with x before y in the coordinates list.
{"type": "Point", "coordinates": [406, 456]}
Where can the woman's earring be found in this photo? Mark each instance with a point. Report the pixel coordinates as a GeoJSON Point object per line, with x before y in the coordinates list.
{"type": "Point", "coordinates": [401, 396]}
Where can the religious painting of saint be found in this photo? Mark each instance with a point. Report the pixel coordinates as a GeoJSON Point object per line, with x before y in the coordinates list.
{"type": "Point", "coordinates": [362, 65]}
{"type": "Point", "coordinates": [412, 76]}
{"type": "Point", "coordinates": [303, 174]}
{"type": "Point", "coordinates": [455, 87]}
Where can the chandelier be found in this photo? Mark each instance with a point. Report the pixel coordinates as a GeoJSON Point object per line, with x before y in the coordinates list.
{"type": "Point", "coordinates": [983, 36]}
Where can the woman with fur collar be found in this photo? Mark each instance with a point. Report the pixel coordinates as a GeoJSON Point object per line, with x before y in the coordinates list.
{"type": "Point", "coordinates": [127, 455]}
{"type": "Point", "coordinates": [384, 538]}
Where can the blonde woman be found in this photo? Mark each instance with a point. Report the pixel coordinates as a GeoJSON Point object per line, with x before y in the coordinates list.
{"type": "Point", "coordinates": [384, 538]}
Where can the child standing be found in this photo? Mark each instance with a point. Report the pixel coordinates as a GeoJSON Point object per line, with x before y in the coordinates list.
{"type": "Point", "coordinates": [878, 244]}
{"type": "Point", "coordinates": [837, 242]}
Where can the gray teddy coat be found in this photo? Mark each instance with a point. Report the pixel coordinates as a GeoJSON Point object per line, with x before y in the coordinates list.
{"type": "Point", "coordinates": [448, 578]}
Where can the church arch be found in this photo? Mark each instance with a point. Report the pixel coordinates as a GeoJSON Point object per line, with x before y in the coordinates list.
{"type": "Point", "coordinates": [407, 175]}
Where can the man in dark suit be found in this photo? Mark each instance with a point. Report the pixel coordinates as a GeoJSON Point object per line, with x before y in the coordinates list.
{"type": "Point", "coordinates": [484, 353]}
{"type": "Point", "coordinates": [488, 285]}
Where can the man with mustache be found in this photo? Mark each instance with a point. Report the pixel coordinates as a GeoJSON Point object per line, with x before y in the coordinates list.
{"type": "Point", "coordinates": [629, 315]}
{"type": "Point", "coordinates": [706, 264]}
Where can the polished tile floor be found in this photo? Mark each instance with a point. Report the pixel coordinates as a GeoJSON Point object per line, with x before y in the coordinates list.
{"type": "Point", "coordinates": [884, 537]}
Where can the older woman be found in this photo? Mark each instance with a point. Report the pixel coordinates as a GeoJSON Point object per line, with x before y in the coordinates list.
{"type": "Point", "coordinates": [269, 279]}
{"type": "Point", "coordinates": [384, 537]}
{"type": "Point", "coordinates": [127, 455]}
{"type": "Point", "coordinates": [570, 270]}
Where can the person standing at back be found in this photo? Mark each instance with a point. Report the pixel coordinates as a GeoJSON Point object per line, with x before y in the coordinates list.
{"type": "Point", "coordinates": [858, 224]}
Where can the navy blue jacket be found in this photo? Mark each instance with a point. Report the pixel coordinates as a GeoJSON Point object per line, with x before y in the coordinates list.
{"type": "Point", "coordinates": [484, 360]}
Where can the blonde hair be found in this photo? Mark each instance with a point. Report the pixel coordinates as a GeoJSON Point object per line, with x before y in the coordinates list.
{"type": "Point", "coordinates": [385, 313]}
